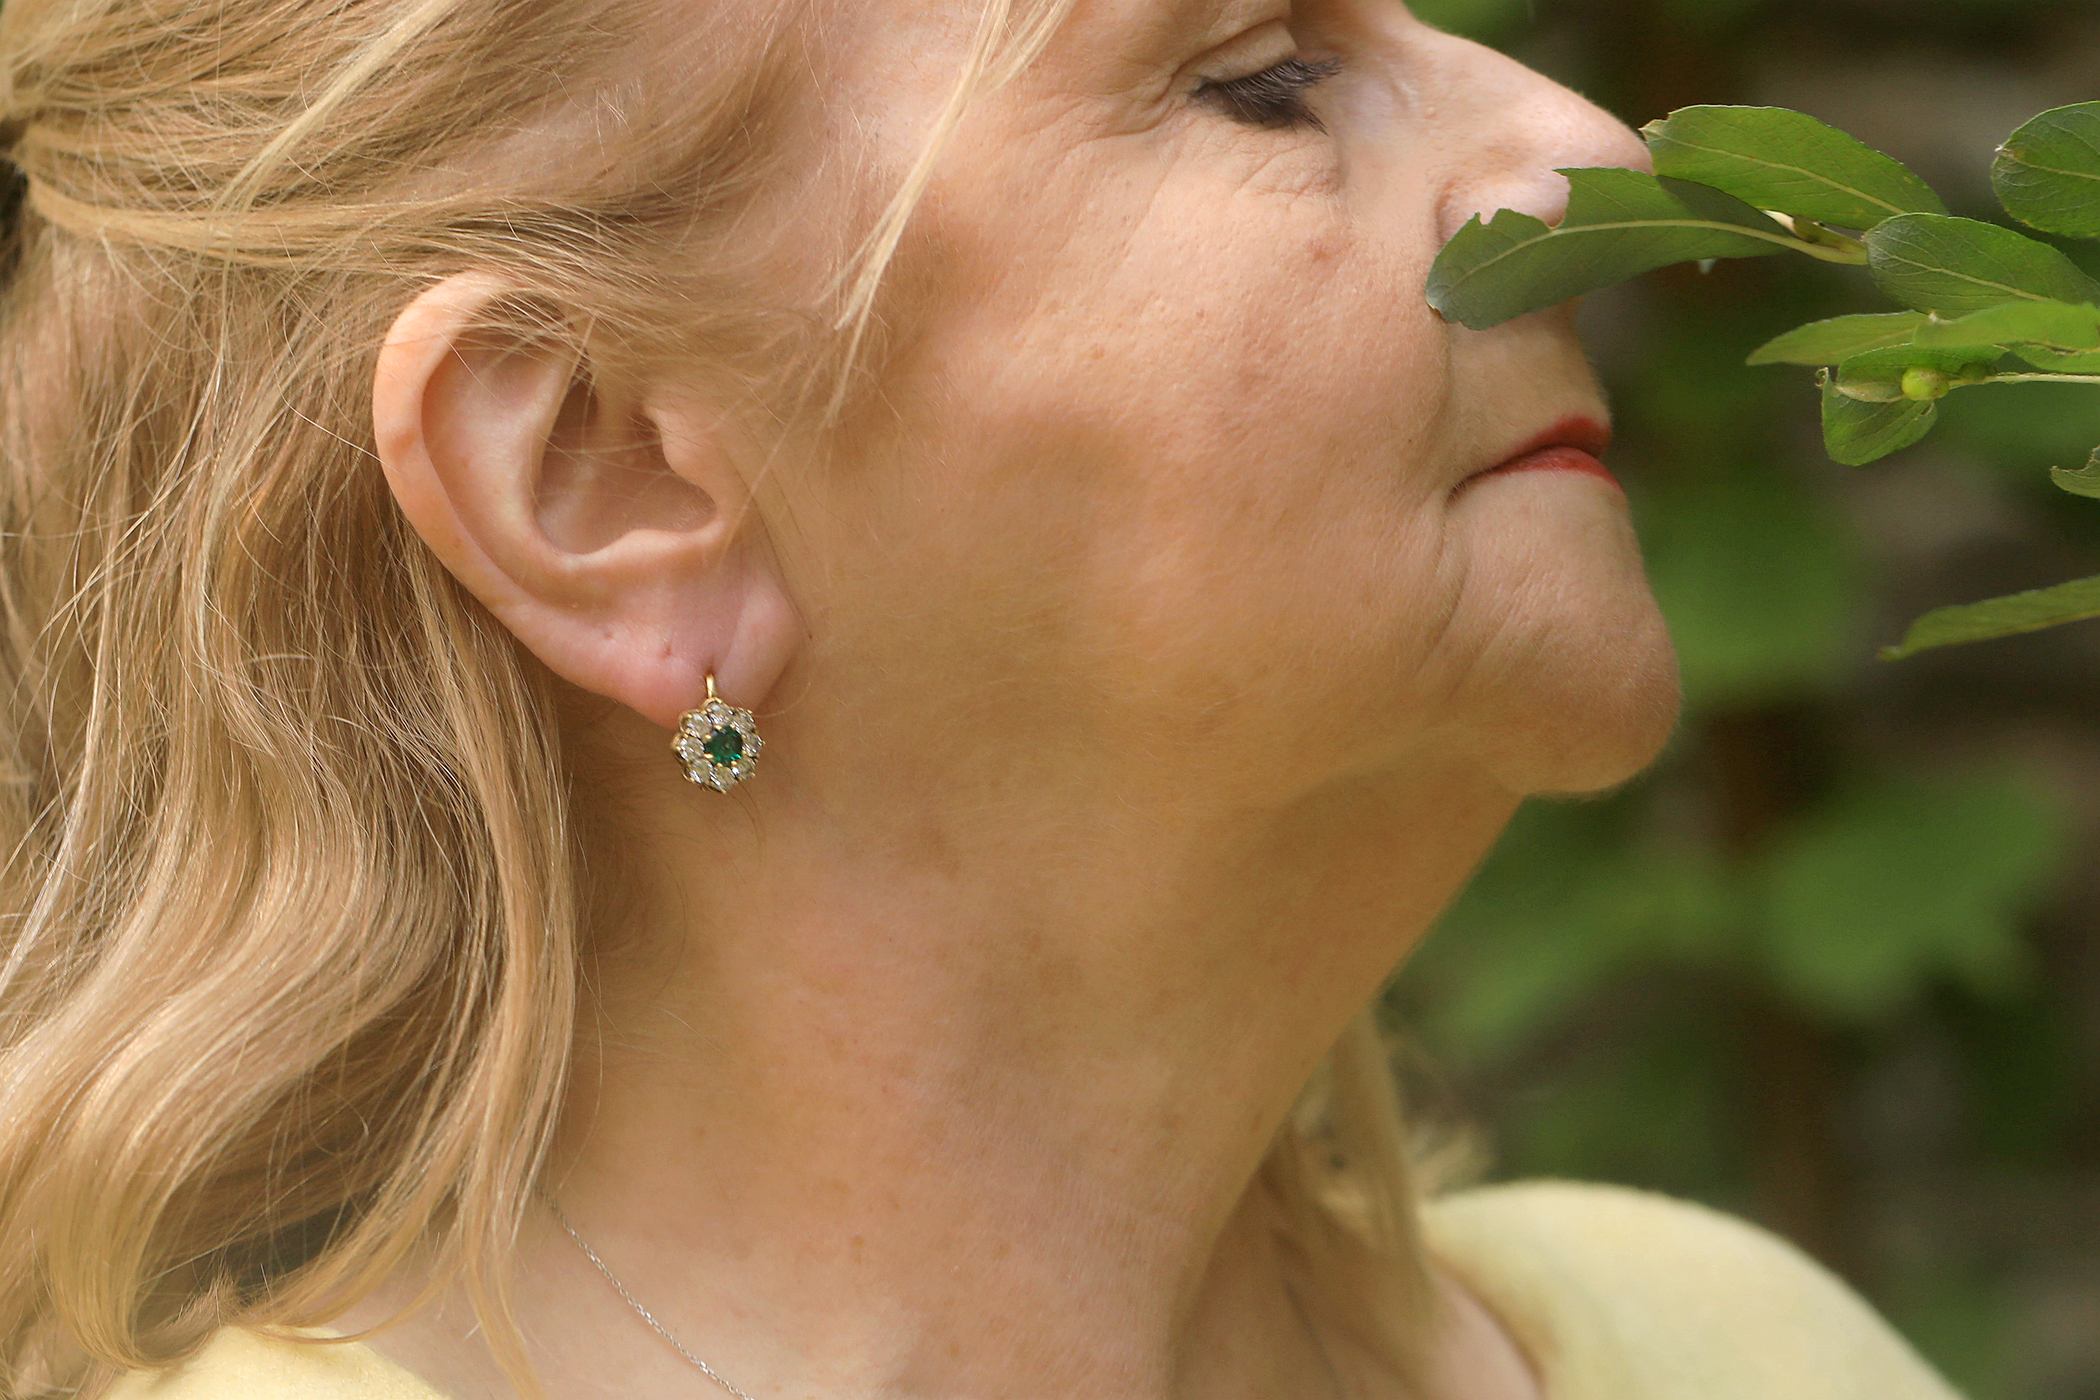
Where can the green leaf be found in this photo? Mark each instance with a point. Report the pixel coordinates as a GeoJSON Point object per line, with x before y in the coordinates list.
{"type": "Point", "coordinates": [1857, 433]}
{"type": "Point", "coordinates": [2000, 617]}
{"type": "Point", "coordinates": [1839, 338]}
{"type": "Point", "coordinates": [1619, 224]}
{"type": "Point", "coordinates": [2056, 325]}
{"type": "Point", "coordinates": [2047, 173]}
{"type": "Point", "coordinates": [2059, 362]}
{"type": "Point", "coordinates": [1787, 161]}
{"type": "Point", "coordinates": [2084, 481]}
{"type": "Point", "coordinates": [1951, 267]}
{"type": "Point", "coordinates": [1877, 376]}
{"type": "Point", "coordinates": [1889, 887]}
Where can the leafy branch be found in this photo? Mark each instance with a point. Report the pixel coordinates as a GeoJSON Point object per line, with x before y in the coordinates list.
{"type": "Point", "coordinates": [1985, 304]}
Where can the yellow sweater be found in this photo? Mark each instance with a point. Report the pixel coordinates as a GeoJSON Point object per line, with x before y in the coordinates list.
{"type": "Point", "coordinates": [1615, 1294]}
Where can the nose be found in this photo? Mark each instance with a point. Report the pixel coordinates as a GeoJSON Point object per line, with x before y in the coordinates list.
{"type": "Point", "coordinates": [1511, 128]}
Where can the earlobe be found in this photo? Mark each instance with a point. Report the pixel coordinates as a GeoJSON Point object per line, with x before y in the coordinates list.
{"type": "Point", "coordinates": [618, 543]}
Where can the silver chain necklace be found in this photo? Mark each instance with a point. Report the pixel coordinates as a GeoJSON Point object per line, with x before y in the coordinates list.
{"type": "Point", "coordinates": [1333, 1372]}
{"type": "Point", "coordinates": [639, 1311]}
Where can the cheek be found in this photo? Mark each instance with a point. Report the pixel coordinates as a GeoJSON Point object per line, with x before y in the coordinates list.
{"type": "Point", "coordinates": [1262, 462]}
{"type": "Point", "coordinates": [1179, 445]}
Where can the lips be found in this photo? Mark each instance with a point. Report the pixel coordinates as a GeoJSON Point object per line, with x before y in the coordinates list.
{"type": "Point", "coordinates": [1573, 444]}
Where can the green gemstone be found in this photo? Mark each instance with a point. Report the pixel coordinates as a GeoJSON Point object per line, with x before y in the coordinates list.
{"type": "Point", "coordinates": [723, 747]}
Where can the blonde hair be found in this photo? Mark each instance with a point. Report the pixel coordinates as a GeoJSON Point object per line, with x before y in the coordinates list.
{"type": "Point", "coordinates": [292, 899]}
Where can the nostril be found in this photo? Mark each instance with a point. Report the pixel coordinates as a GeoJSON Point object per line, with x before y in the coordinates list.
{"type": "Point", "coordinates": [1541, 193]}
{"type": "Point", "coordinates": [1544, 196]}
{"type": "Point", "coordinates": [1536, 187]}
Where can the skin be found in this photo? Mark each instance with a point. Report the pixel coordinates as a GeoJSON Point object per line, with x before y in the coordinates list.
{"type": "Point", "coordinates": [1137, 688]}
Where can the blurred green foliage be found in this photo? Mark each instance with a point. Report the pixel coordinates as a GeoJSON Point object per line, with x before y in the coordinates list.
{"type": "Point", "coordinates": [1849, 913]}
{"type": "Point", "coordinates": [1831, 962]}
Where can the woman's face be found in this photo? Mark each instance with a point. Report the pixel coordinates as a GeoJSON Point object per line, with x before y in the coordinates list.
{"type": "Point", "coordinates": [1175, 462]}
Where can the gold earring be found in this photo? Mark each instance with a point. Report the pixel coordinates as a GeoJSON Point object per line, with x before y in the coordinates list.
{"type": "Point", "coordinates": [718, 743]}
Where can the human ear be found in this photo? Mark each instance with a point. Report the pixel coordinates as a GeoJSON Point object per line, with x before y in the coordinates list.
{"type": "Point", "coordinates": [612, 530]}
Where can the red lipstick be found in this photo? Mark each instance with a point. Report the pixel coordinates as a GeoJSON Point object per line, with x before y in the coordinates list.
{"type": "Point", "coordinates": [1573, 444]}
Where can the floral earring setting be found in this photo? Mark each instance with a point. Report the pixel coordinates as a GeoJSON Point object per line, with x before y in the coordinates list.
{"type": "Point", "coordinates": [718, 743]}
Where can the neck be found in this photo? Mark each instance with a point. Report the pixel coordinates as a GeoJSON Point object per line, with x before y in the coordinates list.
{"type": "Point", "coordinates": [942, 1108]}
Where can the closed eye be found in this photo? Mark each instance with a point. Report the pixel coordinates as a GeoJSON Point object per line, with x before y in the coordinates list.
{"type": "Point", "coordinates": [1274, 97]}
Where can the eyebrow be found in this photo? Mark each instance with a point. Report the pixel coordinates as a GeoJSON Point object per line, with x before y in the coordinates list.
{"type": "Point", "coordinates": [1228, 10]}
{"type": "Point", "coordinates": [1165, 18]}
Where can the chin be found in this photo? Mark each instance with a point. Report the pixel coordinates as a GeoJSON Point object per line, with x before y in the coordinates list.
{"type": "Point", "coordinates": [1614, 719]}
{"type": "Point", "coordinates": [1574, 689]}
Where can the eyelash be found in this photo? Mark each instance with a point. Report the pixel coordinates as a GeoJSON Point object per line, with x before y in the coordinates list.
{"type": "Point", "coordinates": [1274, 97]}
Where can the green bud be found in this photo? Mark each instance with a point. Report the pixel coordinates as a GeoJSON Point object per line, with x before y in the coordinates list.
{"type": "Point", "coordinates": [1922, 383]}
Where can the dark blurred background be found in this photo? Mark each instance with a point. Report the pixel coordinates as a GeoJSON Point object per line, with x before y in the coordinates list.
{"type": "Point", "coordinates": [1835, 963]}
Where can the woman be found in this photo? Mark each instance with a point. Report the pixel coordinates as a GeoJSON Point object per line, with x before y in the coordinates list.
{"type": "Point", "coordinates": [416, 410]}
